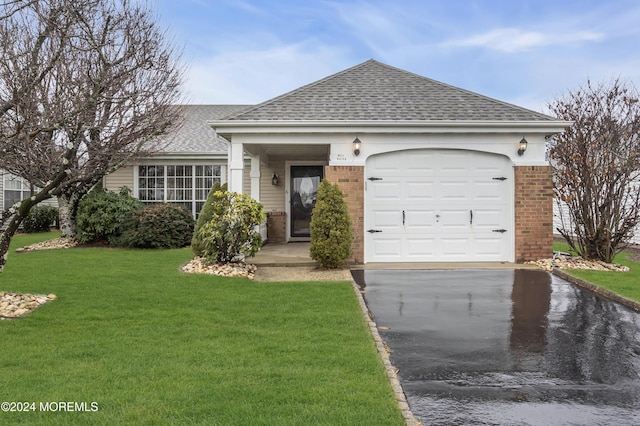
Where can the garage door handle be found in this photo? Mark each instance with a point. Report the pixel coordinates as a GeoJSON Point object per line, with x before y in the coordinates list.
{"type": "Point", "coordinates": [373, 231]}
{"type": "Point", "coordinates": [403, 217]}
{"type": "Point", "coordinates": [471, 217]}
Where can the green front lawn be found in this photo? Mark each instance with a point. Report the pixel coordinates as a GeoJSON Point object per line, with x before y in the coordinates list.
{"type": "Point", "coordinates": [626, 284]}
{"type": "Point", "coordinates": [153, 346]}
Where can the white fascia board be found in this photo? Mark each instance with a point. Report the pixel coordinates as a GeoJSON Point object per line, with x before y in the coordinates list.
{"type": "Point", "coordinates": [407, 126]}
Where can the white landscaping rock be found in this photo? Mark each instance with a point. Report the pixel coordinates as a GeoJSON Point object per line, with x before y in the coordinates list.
{"type": "Point", "coordinates": [238, 269]}
{"type": "Point", "coordinates": [15, 305]}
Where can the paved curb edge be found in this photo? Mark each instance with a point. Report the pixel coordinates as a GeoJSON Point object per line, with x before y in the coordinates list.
{"type": "Point", "coordinates": [631, 304]}
{"type": "Point", "coordinates": [383, 352]}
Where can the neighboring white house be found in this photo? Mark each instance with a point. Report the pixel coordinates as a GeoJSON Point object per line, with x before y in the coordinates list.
{"type": "Point", "coordinates": [557, 223]}
{"type": "Point", "coordinates": [12, 189]}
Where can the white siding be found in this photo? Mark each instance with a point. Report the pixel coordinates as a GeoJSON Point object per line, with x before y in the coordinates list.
{"type": "Point", "coordinates": [119, 178]}
{"type": "Point", "coordinates": [273, 197]}
{"type": "Point", "coordinates": [565, 211]}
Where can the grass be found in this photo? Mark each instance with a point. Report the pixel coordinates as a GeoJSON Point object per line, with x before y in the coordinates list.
{"type": "Point", "coordinates": [153, 346]}
{"type": "Point", "coordinates": [626, 284]}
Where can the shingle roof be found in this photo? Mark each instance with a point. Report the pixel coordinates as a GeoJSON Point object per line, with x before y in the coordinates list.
{"type": "Point", "coordinates": [375, 91]}
{"type": "Point", "coordinates": [195, 135]}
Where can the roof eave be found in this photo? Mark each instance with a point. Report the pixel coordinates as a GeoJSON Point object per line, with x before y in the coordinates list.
{"type": "Point", "coordinates": [392, 126]}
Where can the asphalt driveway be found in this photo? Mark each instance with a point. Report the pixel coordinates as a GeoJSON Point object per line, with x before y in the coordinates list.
{"type": "Point", "coordinates": [518, 347]}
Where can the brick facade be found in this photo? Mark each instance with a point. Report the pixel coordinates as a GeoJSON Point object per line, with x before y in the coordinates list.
{"type": "Point", "coordinates": [350, 179]}
{"type": "Point", "coordinates": [533, 213]}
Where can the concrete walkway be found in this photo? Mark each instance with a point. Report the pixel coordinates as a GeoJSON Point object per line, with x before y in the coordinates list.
{"type": "Point", "coordinates": [283, 254]}
{"type": "Point", "coordinates": [297, 254]}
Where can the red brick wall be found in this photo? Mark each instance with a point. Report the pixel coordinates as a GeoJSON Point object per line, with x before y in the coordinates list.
{"type": "Point", "coordinates": [534, 212]}
{"type": "Point", "coordinates": [350, 179]}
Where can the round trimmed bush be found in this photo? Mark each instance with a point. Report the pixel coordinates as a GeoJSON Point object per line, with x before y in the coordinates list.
{"type": "Point", "coordinates": [157, 226]}
{"type": "Point", "coordinates": [232, 229]}
{"type": "Point", "coordinates": [101, 214]}
{"type": "Point", "coordinates": [40, 219]}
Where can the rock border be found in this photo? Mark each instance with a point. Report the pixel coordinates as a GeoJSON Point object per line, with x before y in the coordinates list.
{"type": "Point", "coordinates": [56, 243]}
{"type": "Point", "coordinates": [566, 261]}
{"type": "Point", "coordinates": [238, 269]}
{"type": "Point", "coordinates": [383, 352]}
{"type": "Point", "coordinates": [17, 305]}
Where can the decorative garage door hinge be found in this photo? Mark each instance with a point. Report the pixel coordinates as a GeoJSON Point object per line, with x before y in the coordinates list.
{"type": "Point", "coordinates": [373, 231]}
{"type": "Point", "coordinates": [374, 178]}
{"type": "Point", "coordinates": [500, 178]}
{"type": "Point", "coordinates": [502, 231]}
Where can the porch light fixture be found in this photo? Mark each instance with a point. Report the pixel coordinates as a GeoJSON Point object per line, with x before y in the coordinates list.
{"type": "Point", "coordinates": [356, 146]}
{"type": "Point", "coordinates": [522, 147]}
{"type": "Point", "coordinates": [274, 180]}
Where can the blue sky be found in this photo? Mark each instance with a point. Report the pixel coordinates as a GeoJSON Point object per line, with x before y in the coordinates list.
{"type": "Point", "coordinates": [523, 52]}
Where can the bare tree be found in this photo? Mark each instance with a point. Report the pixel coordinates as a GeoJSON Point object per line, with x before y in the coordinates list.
{"type": "Point", "coordinates": [597, 168]}
{"type": "Point", "coordinates": [85, 86]}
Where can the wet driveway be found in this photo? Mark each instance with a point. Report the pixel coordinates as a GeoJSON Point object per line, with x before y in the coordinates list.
{"type": "Point", "coordinates": [517, 347]}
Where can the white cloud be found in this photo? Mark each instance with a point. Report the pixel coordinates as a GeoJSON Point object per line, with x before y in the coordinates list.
{"type": "Point", "coordinates": [252, 76]}
{"type": "Point", "coordinates": [511, 40]}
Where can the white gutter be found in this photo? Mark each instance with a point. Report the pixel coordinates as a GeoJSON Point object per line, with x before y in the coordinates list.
{"type": "Point", "coordinates": [406, 126]}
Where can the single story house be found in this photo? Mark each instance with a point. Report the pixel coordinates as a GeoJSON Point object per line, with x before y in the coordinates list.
{"type": "Point", "coordinates": [192, 158]}
{"type": "Point", "coordinates": [430, 172]}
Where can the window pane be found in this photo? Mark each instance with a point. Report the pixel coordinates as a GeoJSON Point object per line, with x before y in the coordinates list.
{"type": "Point", "coordinates": [151, 183]}
{"type": "Point", "coordinates": [12, 197]}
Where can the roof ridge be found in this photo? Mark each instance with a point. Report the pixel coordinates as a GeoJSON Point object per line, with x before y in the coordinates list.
{"type": "Point", "coordinates": [330, 98]}
{"type": "Point", "coordinates": [460, 89]}
{"type": "Point", "coordinates": [300, 89]}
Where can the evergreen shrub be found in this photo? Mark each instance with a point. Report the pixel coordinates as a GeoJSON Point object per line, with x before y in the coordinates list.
{"type": "Point", "coordinates": [205, 216]}
{"type": "Point", "coordinates": [101, 214]}
{"type": "Point", "coordinates": [331, 235]}
{"type": "Point", "coordinates": [40, 219]}
{"type": "Point", "coordinates": [232, 229]}
{"type": "Point", "coordinates": [157, 226]}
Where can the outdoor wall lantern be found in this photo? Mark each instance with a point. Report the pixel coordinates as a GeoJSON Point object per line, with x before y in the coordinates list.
{"type": "Point", "coordinates": [356, 146]}
{"type": "Point", "coordinates": [274, 179]}
{"type": "Point", "coordinates": [522, 147]}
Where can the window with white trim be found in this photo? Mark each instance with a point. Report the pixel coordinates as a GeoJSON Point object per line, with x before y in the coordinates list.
{"type": "Point", "coordinates": [16, 189]}
{"type": "Point", "coordinates": [185, 185]}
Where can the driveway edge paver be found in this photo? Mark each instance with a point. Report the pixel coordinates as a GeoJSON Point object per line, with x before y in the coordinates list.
{"type": "Point", "coordinates": [392, 372]}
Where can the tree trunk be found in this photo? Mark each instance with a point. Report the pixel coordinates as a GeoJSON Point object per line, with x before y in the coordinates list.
{"type": "Point", "coordinates": [15, 215]}
{"type": "Point", "coordinates": [6, 236]}
{"type": "Point", "coordinates": [67, 210]}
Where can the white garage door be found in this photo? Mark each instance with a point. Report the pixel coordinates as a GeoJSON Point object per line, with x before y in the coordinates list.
{"type": "Point", "coordinates": [438, 205]}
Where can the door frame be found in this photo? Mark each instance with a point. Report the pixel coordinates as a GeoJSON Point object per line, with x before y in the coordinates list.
{"type": "Point", "coordinates": [287, 194]}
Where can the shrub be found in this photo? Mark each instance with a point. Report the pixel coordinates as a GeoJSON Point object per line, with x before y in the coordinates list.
{"type": "Point", "coordinates": [102, 213]}
{"type": "Point", "coordinates": [231, 231]}
{"type": "Point", "coordinates": [157, 226]}
{"type": "Point", "coordinates": [205, 216]}
{"type": "Point", "coordinates": [40, 219]}
{"type": "Point", "coordinates": [330, 227]}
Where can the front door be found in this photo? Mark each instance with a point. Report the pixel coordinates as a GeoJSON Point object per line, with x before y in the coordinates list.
{"type": "Point", "coordinates": [304, 187]}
